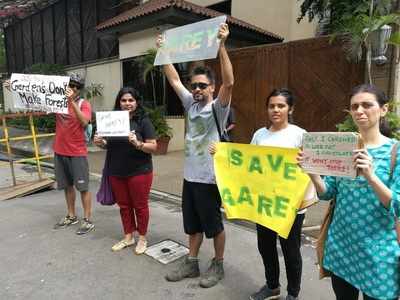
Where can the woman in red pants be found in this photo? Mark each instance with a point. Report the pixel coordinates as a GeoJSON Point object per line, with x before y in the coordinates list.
{"type": "Point", "coordinates": [131, 169]}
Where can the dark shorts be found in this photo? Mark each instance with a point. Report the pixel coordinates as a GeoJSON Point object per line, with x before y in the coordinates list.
{"type": "Point", "coordinates": [72, 170]}
{"type": "Point", "coordinates": [201, 208]}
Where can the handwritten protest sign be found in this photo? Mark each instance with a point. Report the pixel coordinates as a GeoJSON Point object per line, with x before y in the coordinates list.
{"type": "Point", "coordinates": [39, 92]}
{"type": "Point", "coordinates": [112, 123]}
{"type": "Point", "coordinates": [260, 184]}
{"type": "Point", "coordinates": [330, 153]}
{"type": "Point", "coordinates": [192, 42]}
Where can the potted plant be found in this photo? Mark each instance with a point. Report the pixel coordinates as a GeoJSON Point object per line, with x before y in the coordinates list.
{"type": "Point", "coordinates": [163, 130]}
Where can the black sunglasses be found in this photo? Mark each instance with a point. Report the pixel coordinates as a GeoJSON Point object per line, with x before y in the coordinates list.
{"type": "Point", "coordinates": [200, 85]}
{"type": "Point", "coordinates": [73, 85]}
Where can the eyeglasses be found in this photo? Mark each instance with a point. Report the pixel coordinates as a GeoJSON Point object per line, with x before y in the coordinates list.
{"type": "Point", "coordinates": [200, 85]}
{"type": "Point", "coordinates": [73, 85]}
{"type": "Point", "coordinates": [127, 100]}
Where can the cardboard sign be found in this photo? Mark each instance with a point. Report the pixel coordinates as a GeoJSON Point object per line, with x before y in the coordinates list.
{"type": "Point", "coordinates": [39, 92]}
{"type": "Point", "coordinates": [191, 42]}
{"type": "Point", "coordinates": [330, 153]}
{"type": "Point", "coordinates": [112, 123]}
{"type": "Point", "coordinates": [260, 184]}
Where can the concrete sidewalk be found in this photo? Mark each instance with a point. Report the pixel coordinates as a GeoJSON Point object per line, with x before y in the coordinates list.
{"type": "Point", "coordinates": [37, 262]}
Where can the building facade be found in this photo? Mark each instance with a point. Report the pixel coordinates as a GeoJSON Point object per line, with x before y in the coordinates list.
{"type": "Point", "coordinates": [91, 37]}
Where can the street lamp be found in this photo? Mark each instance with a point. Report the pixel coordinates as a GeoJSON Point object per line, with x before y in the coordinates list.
{"type": "Point", "coordinates": [379, 44]}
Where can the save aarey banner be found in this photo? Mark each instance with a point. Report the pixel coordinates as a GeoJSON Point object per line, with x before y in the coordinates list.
{"type": "Point", "coordinates": [260, 184]}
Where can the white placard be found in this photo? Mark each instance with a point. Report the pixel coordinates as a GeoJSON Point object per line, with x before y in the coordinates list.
{"type": "Point", "coordinates": [191, 42]}
{"type": "Point", "coordinates": [39, 92]}
{"type": "Point", "coordinates": [112, 123]}
{"type": "Point", "coordinates": [330, 153]}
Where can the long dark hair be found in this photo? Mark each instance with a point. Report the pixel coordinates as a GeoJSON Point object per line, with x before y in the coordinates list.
{"type": "Point", "coordinates": [139, 112]}
{"type": "Point", "coordinates": [288, 95]}
{"type": "Point", "coordinates": [381, 98]}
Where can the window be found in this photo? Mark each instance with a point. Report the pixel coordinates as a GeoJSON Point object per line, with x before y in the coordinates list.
{"type": "Point", "coordinates": [151, 89]}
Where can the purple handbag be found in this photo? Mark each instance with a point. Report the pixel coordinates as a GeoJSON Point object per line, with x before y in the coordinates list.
{"type": "Point", "coordinates": [105, 194]}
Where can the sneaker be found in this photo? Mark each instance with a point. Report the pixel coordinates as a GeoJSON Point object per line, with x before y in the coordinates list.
{"type": "Point", "coordinates": [265, 293]}
{"type": "Point", "coordinates": [122, 244]}
{"type": "Point", "coordinates": [141, 246]}
{"type": "Point", "coordinates": [66, 221]}
{"type": "Point", "coordinates": [290, 297]}
{"type": "Point", "coordinates": [214, 274]}
{"type": "Point", "coordinates": [85, 227]}
{"type": "Point", "coordinates": [189, 268]}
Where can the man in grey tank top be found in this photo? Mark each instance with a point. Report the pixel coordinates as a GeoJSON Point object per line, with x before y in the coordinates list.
{"type": "Point", "coordinates": [201, 201]}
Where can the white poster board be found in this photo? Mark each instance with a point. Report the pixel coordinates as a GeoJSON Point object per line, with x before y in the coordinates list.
{"type": "Point", "coordinates": [112, 123]}
{"type": "Point", "coordinates": [330, 153]}
{"type": "Point", "coordinates": [39, 92]}
{"type": "Point", "coordinates": [191, 42]}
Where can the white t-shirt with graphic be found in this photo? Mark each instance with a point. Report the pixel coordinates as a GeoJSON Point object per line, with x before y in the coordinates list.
{"type": "Point", "coordinates": [201, 130]}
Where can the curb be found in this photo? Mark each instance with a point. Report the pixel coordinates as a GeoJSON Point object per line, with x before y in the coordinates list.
{"type": "Point", "coordinates": [170, 198]}
{"type": "Point", "coordinates": [177, 200]}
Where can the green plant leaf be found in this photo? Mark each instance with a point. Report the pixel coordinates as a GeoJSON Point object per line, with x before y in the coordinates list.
{"type": "Point", "coordinates": [148, 62]}
{"type": "Point", "coordinates": [157, 118]}
{"type": "Point", "coordinates": [395, 39]}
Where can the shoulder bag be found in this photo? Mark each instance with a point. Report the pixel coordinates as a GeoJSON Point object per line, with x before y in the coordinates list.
{"type": "Point", "coordinates": [223, 135]}
{"type": "Point", "coordinates": [323, 234]}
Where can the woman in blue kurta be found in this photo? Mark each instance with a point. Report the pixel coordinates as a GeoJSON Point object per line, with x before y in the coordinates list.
{"type": "Point", "coordinates": [361, 249]}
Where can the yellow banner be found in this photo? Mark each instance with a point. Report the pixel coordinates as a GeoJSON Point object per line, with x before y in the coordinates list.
{"type": "Point", "coordinates": [260, 184]}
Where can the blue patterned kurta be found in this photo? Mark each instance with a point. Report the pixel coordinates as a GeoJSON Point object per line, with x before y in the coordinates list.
{"type": "Point", "coordinates": [361, 246]}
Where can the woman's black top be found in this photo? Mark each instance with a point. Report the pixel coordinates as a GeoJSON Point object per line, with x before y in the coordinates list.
{"type": "Point", "coordinates": [124, 159]}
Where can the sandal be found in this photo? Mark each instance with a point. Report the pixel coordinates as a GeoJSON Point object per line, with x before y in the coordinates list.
{"type": "Point", "coordinates": [122, 244]}
{"type": "Point", "coordinates": [141, 246]}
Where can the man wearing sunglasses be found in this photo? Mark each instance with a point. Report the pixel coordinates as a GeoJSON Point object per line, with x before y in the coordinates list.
{"type": "Point", "coordinates": [201, 201]}
{"type": "Point", "coordinates": [70, 156]}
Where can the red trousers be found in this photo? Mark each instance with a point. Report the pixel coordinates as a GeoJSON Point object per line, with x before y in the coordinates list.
{"type": "Point", "coordinates": [132, 196]}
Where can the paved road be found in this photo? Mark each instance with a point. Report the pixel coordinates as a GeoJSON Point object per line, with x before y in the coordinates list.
{"type": "Point", "coordinates": [37, 262]}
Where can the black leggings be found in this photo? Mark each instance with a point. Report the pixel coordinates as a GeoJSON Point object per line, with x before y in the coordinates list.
{"type": "Point", "coordinates": [291, 252]}
{"type": "Point", "coordinates": [345, 291]}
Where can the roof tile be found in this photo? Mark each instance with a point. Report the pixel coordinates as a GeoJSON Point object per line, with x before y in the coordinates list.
{"type": "Point", "coordinates": [154, 6]}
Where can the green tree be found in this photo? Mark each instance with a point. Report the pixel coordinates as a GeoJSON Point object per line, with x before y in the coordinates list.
{"type": "Point", "coordinates": [356, 22]}
{"type": "Point", "coordinates": [340, 11]}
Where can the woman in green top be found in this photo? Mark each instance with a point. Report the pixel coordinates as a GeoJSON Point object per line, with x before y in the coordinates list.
{"type": "Point", "coordinates": [361, 248]}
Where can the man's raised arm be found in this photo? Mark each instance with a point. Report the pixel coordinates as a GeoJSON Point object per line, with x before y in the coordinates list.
{"type": "Point", "coordinates": [225, 91]}
{"type": "Point", "coordinates": [173, 79]}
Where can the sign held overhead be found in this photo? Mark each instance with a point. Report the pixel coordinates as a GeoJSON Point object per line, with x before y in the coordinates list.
{"type": "Point", "coordinates": [197, 41]}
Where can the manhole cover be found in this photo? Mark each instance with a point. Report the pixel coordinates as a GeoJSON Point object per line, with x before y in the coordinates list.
{"type": "Point", "coordinates": [167, 251]}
